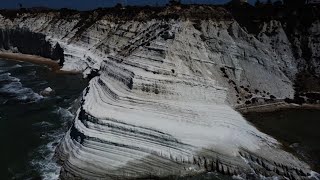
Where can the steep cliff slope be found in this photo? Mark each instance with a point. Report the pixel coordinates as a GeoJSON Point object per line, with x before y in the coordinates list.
{"type": "Point", "coordinates": [166, 78]}
{"type": "Point", "coordinates": [27, 42]}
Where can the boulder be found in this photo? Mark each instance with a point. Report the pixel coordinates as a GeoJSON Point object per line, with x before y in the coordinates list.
{"type": "Point", "coordinates": [47, 92]}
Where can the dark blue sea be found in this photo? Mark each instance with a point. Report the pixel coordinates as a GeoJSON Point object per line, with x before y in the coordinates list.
{"type": "Point", "coordinates": [31, 125]}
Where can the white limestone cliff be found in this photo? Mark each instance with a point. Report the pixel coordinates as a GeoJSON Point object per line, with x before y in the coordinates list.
{"type": "Point", "coordinates": [162, 101]}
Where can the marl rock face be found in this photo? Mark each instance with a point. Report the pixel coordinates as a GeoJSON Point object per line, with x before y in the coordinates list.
{"type": "Point", "coordinates": [28, 42]}
{"type": "Point", "coordinates": [161, 103]}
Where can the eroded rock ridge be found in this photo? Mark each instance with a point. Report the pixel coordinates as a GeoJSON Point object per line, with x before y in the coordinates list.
{"type": "Point", "coordinates": [161, 100]}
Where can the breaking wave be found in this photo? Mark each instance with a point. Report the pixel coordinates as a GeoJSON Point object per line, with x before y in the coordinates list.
{"type": "Point", "coordinates": [46, 118]}
{"type": "Point", "coordinates": [14, 90]}
{"type": "Point", "coordinates": [47, 165]}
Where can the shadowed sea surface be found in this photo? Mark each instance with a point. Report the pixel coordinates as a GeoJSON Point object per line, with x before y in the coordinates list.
{"type": "Point", "coordinates": [297, 129]}
{"type": "Point", "coordinates": [32, 125]}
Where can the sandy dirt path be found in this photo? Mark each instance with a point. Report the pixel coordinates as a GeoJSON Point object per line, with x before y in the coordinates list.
{"type": "Point", "coordinates": [52, 64]}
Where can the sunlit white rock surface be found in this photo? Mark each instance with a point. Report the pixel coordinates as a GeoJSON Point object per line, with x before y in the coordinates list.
{"type": "Point", "coordinates": [161, 101]}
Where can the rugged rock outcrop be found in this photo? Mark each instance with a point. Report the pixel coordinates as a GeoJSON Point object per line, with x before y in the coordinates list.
{"type": "Point", "coordinates": [28, 42]}
{"type": "Point", "coordinates": [160, 102]}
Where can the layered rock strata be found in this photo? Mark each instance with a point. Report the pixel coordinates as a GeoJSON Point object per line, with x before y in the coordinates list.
{"type": "Point", "coordinates": [160, 104]}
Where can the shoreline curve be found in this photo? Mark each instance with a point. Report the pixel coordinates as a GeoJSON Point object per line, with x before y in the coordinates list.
{"type": "Point", "coordinates": [52, 64]}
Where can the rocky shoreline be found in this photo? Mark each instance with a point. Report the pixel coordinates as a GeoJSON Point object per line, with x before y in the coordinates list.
{"type": "Point", "coordinates": [53, 65]}
{"type": "Point", "coordinates": [159, 99]}
{"type": "Point", "coordinates": [274, 106]}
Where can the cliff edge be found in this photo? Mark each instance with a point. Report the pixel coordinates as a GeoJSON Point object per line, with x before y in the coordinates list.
{"type": "Point", "coordinates": [165, 81]}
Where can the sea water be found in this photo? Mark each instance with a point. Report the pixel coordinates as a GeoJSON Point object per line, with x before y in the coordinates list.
{"type": "Point", "coordinates": [297, 129]}
{"type": "Point", "coordinates": [31, 125]}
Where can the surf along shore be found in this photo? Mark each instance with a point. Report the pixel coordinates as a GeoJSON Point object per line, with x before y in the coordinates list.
{"type": "Point", "coordinates": [52, 64]}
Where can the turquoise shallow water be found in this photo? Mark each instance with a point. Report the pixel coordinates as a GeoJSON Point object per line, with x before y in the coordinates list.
{"type": "Point", "coordinates": [32, 125]}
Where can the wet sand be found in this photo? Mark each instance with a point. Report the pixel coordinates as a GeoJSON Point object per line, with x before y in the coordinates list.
{"type": "Point", "coordinates": [52, 64]}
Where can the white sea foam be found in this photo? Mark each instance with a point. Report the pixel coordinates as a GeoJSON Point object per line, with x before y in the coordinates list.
{"type": "Point", "coordinates": [32, 73]}
{"type": "Point", "coordinates": [16, 66]}
{"type": "Point", "coordinates": [16, 91]}
{"type": "Point", "coordinates": [43, 124]}
{"type": "Point", "coordinates": [8, 77]}
{"type": "Point", "coordinates": [47, 166]}
{"type": "Point", "coordinates": [314, 175]}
